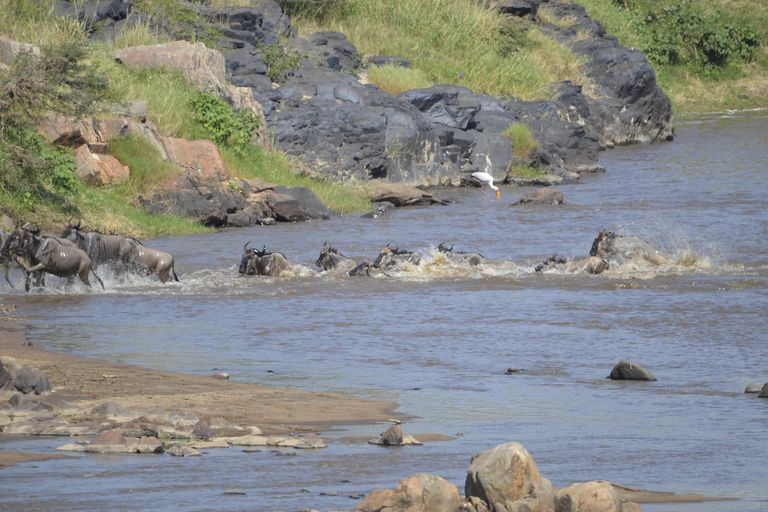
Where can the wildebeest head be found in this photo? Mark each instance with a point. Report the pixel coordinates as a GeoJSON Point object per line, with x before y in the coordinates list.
{"type": "Point", "coordinates": [73, 232]}
{"type": "Point", "coordinates": [603, 244]}
{"type": "Point", "coordinates": [389, 257]}
{"type": "Point", "coordinates": [555, 259]}
{"type": "Point", "coordinates": [444, 248]}
{"type": "Point", "coordinates": [248, 254]}
{"type": "Point", "coordinates": [328, 257]}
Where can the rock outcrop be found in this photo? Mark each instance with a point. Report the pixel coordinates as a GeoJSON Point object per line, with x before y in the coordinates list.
{"type": "Point", "coordinates": [543, 196]}
{"type": "Point", "coordinates": [95, 169]}
{"type": "Point", "coordinates": [596, 496]}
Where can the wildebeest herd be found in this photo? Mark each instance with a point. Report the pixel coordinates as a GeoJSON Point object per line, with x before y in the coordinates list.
{"type": "Point", "coordinates": [606, 246]}
{"type": "Point", "coordinates": [79, 252]}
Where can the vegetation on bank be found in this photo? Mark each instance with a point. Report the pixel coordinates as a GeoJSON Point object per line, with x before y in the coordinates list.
{"type": "Point", "coordinates": [447, 41]}
{"type": "Point", "coordinates": [709, 55]}
{"type": "Point", "coordinates": [77, 77]}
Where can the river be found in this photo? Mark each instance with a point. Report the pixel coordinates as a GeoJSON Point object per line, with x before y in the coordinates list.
{"type": "Point", "coordinates": [438, 339]}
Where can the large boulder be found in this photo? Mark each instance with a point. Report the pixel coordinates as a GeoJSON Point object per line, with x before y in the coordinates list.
{"type": "Point", "coordinates": [95, 169]}
{"type": "Point", "coordinates": [112, 442]}
{"type": "Point", "coordinates": [71, 132]}
{"type": "Point", "coordinates": [297, 204]}
{"type": "Point", "coordinates": [764, 391]}
{"type": "Point", "coordinates": [419, 493]}
{"type": "Point", "coordinates": [626, 370]}
{"type": "Point", "coordinates": [595, 496]}
{"type": "Point", "coordinates": [15, 377]}
{"type": "Point", "coordinates": [198, 158]}
{"type": "Point", "coordinates": [506, 473]}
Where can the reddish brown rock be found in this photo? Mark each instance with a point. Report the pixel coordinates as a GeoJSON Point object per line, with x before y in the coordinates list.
{"type": "Point", "coordinates": [99, 169]}
{"type": "Point", "coordinates": [71, 132]}
{"type": "Point", "coordinates": [419, 493]}
{"type": "Point", "coordinates": [112, 442]}
{"type": "Point", "coordinates": [198, 158]}
{"type": "Point", "coordinates": [149, 445]}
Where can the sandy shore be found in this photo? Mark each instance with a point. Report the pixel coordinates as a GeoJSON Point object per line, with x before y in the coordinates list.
{"type": "Point", "coordinates": [84, 381]}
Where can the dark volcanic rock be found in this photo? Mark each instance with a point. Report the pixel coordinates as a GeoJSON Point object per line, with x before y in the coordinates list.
{"type": "Point", "coordinates": [518, 7]}
{"type": "Point", "coordinates": [378, 60]}
{"type": "Point", "coordinates": [625, 370]}
{"type": "Point", "coordinates": [199, 199]}
{"type": "Point", "coordinates": [93, 11]}
{"type": "Point", "coordinates": [628, 105]}
{"type": "Point", "coordinates": [297, 204]}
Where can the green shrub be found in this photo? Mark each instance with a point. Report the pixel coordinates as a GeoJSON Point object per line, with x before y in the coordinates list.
{"type": "Point", "coordinates": [222, 123]}
{"type": "Point", "coordinates": [397, 79]}
{"type": "Point", "coordinates": [280, 61]}
{"type": "Point", "coordinates": [522, 140]}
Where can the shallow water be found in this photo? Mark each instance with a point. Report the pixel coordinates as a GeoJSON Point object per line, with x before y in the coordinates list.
{"type": "Point", "coordinates": [438, 339]}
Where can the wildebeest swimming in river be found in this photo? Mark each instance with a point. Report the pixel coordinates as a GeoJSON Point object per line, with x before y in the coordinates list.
{"type": "Point", "coordinates": [468, 258]}
{"type": "Point", "coordinates": [622, 249]}
{"type": "Point", "coordinates": [50, 255]}
{"type": "Point", "coordinates": [6, 260]}
{"type": "Point", "coordinates": [262, 262]}
{"type": "Point", "coordinates": [591, 264]}
{"type": "Point", "coordinates": [389, 258]}
{"type": "Point", "coordinates": [330, 258]}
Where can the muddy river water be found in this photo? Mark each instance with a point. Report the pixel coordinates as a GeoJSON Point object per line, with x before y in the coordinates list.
{"type": "Point", "coordinates": [437, 340]}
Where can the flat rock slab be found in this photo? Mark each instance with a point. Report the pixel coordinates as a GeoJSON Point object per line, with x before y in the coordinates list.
{"type": "Point", "coordinates": [182, 451]}
{"type": "Point", "coordinates": [543, 196]}
{"type": "Point", "coordinates": [209, 445]}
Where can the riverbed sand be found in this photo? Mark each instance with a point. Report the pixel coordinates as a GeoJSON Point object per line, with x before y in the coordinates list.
{"type": "Point", "coordinates": [83, 381]}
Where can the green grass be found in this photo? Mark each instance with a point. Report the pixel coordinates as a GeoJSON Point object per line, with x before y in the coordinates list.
{"type": "Point", "coordinates": [275, 167]}
{"type": "Point", "coordinates": [526, 171]}
{"type": "Point", "coordinates": [397, 79]}
{"type": "Point", "coordinates": [148, 170]}
{"type": "Point", "coordinates": [522, 140]}
{"type": "Point", "coordinates": [453, 42]}
{"type": "Point", "coordinates": [694, 88]}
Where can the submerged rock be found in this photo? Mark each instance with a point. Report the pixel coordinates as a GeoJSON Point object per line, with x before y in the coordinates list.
{"type": "Point", "coordinates": [753, 388]}
{"type": "Point", "coordinates": [626, 370]}
{"type": "Point", "coordinates": [764, 391]}
{"type": "Point", "coordinates": [543, 196]}
{"type": "Point", "coordinates": [178, 450]}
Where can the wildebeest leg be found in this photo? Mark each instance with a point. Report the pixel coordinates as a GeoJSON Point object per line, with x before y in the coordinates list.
{"type": "Point", "coordinates": [7, 268]}
{"type": "Point", "coordinates": [97, 278]}
{"type": "Point", "coordinates": [163, 275]}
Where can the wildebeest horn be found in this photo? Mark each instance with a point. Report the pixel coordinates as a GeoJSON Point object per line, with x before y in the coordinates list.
{"type": "Point", "coordinates": [245, 247]}
{"type": "Point", "coordinates": [325, 243]}
{"type": "Point", "coordinates": [35, 231]}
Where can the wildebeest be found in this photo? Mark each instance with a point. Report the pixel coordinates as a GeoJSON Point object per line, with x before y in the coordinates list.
{"type": "Point", "coordinates": [330, 258]}
{"type": "Point", "coordinates": [262, 262]}
{"type": "Point", "coordinates": [100, 248]}
{"type": "Point", "coordinates": [50, 255]}
{"type": "Point", "coordinates": [591, 264]}
{"type": "Point", "coordinates": [6, 261]}
{"type": "Point", "coordinates": [389, 258]}
{"type": "Point", "coordinates": [140, 258]}
{"type": "Point", "coordinates": [622, 249]}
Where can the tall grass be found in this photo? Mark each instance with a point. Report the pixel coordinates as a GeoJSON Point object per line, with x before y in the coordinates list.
{"type": "Point", "coordinates": [397, 79]}
{"type": "Point", "coordinates": [522, 140]}
{"type": "Point", "coordinates": [454, 42]}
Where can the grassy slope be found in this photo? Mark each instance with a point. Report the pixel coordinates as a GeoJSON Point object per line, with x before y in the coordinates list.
{"type": "Point", "coordinates": [450, 41]}
{"type": "Point", "coordinates": [168, 95]}
{"type": "Point", "coordinates": [691, 88]}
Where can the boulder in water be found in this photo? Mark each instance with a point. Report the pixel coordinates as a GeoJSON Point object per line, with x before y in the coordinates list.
{"type": "Point", "coordinates": [626, 370]}
{"type": "Point", "coordinates": [419, 493]}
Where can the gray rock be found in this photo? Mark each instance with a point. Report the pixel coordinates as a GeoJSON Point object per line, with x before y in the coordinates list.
{"type": "Point", "coordinates": [310, 442]}
{"type": "Point", "coordinates": [764, 391]}
{"type": "Point", "coordinates": [753, 388]}
{"type": "Point", "coordinates": [378, 60]}
{"type": "Point", "coordinates": [178, 450]}
{"type": "Point", "coordinates": [626, 370]}
{"type": "Point", "coordinates": [392, 436]}
{"type": "Point", "coordinates": [24, 379]}
{"type": "Point", "coordinates": [381, 210]}
{"type": "Point", "coordinates": [518, 7]}
{"type": "Point", "coordinates": [19, 404]}
{"type": "Point", "coordinates": [540, 181]}
{"type": "Point", "coordinates": [149, 445]}
{"type": "Point", "coordinates": [297, 204]}
{"type": "Point", "coordinates": [544, 196]}
{"type": "Point", "coordinates": [114, 412]}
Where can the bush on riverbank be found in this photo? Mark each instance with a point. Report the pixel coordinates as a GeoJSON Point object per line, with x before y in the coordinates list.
{"type": "Point", "coordinates": [708, 55]}
{"type": "Point", "coordinates": [37, 183]}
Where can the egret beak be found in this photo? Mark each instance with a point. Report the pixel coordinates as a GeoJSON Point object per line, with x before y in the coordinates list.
{"type": "Point", "coordinates": [498, 195]}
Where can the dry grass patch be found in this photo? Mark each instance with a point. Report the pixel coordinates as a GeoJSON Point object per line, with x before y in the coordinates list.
{"type": "Point", "coordinates": [397, 79]}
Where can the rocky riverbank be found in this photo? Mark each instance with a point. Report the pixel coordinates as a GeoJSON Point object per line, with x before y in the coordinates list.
{"type": "Point", "coordinates": [321, 110]}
